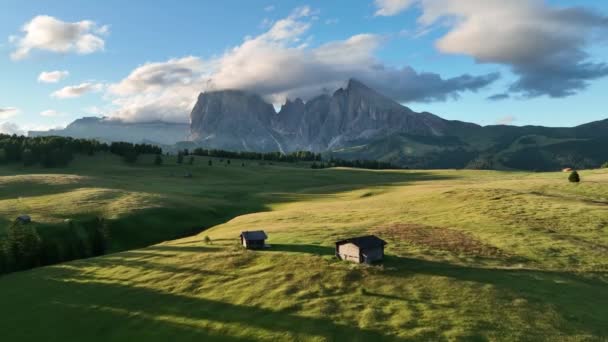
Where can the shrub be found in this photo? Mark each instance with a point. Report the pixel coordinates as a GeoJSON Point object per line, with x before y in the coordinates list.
{"type": "Point", "coordinates": [574, 177]}
{"type": "Point", "coordinates": [207, 239]}
{"type": "Point", "coordinates": [605, 165]}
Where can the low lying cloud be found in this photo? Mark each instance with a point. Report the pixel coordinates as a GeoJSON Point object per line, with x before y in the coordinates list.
{"type": "Point", "coordinates": [47, 33]}
{"type": "Point", "coordinates": [8, 112]}
{"type": "Point", "coordinates": [11, 128]}
{"type": "Point", "coordinates": [278, 64]}
{"type": "Point", "coordinates": [544, 46]}
{"type": "Point", "coordinates": [77, 90]}
{"type": "Point", "coordinates": [52, 76]}
{"type": "Point", "coordinates": [506, 120]}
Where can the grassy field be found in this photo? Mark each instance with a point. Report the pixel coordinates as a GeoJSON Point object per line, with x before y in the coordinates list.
{"type": "Point", "coordinates": [472, 255]}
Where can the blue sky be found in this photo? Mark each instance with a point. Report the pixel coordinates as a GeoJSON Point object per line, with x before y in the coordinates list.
{"type": "Point", "coordinates": [423, 54]}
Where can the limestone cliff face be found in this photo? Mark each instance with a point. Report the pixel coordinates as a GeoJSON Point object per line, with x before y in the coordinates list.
{"type": "Point", "coordinates": [238, 120]}
{"type": "Point", "coordinates": [234, 120]}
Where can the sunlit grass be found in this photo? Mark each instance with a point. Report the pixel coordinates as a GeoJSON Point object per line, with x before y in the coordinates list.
{"type": "Point", "coordinates": [549, 281]}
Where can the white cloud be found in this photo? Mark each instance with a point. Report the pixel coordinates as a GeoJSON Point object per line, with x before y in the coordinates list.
{"type": "Point", "coordinates": [545, 46]}
{"type": "Point", "coordinates": [77, 90]}
{"type": "Point", "coordinates": [157, 76]}
{"type": "Point", "coordinates": [11, 128]}
{"type": "Point", "coordinates": [8, 112]}
{"type": "Point", "coordinates": [269, 8]}
{"type": "Point", "coordinates": [278, 64]}
{"type": "Point", "coordinates": [52, 76]}
{"type": "Point", "coordinates": [51, 113]}
{"type": "Point", "coordinates": [47, 33]}
{"type": "Point", "coordinates": [94, 110]}
{"type": "Point", "coordinates": [388, 8]}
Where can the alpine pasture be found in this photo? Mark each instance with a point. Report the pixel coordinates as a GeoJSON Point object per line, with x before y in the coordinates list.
{"type": "Point", "coordinates": [471, 255]}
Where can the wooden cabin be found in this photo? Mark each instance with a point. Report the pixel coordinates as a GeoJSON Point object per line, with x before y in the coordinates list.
{"type": "Point", "coordinates": [253, 239]}
{"type": "Point", "coordinates": [363, 249]}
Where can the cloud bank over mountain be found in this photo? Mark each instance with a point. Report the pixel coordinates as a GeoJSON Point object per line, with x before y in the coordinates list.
{"type": "Point", "coordinates": [278, 64]}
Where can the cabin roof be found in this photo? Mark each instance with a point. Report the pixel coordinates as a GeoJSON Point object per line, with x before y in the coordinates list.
{"type": "Point", "coordinates": [364, 242]}
{"type": "Point", "coordinates": [254, 235]}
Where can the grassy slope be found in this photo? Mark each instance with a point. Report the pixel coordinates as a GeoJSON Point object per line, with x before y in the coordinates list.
{"type": "Point", "coordinates": [548, 282]}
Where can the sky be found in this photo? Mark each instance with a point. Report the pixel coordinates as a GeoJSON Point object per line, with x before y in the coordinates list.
{"type": "Point", "coordinates": [517, 62]}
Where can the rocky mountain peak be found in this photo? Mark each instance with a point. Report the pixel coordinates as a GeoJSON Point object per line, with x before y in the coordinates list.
{"type": "Point", "coordinates": [238, 120]}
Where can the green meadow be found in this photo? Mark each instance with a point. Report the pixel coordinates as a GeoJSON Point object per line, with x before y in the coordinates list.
{"type": "Point", "coordinates": [471, 255]}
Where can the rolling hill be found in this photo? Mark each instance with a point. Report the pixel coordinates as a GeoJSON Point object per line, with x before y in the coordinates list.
{"type": "Point", "coordinates": [472, 255]}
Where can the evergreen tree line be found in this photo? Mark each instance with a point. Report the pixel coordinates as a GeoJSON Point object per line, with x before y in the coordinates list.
{"type": "Point", "coordinates": [299, 156]}
{"type": "Point", "coordinates": [23, 247]}
{"type": "Point", "coordinates": [359, 164]}
{"type": "Point", "coordinates": [56, 151]}
{"type": "Point", "coordinates": [269, 156]}
{"type": "Point", "coordinates": [46, 151]}
{"type": "Point", "coordinates": [130, 152]}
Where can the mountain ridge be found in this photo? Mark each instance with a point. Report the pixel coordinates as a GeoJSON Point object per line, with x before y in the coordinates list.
{"type": "Point", "coordinates": [356, 122]}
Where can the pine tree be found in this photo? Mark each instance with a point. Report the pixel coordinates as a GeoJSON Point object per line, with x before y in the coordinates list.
{"type": "Point", "coordinates": [210, 163]}
{"type": "Point", "coordinates": [191, 160]}
{"type": "Point", "coordinates": [28, 157]}
{"type": "Point", "coordinates": [574, 177]}
{"type": "Point", "coordinates": [158, 160]}
{"type": "Point", "coordinates": [23, 244]}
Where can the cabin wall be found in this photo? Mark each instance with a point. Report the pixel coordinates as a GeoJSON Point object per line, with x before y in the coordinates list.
{"type": "Point", "coordinates": [254, 243]}
{"type": "Point", "coordinates": [349, 252]}
{"type": "Point", "coordinates": [373, 254]}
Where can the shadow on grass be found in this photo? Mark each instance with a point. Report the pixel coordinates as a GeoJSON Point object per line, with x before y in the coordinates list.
{"type": "Point", "coordinates": [107, 307]}
{"type": "Point", "coordinates": [580, 299]}
{"type": "Point", "coordinates": [308, 249]}
{"type": "Point", "coordinates": [192, 249]}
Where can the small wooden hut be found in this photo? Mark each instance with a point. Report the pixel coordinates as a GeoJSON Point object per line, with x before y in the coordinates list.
{"type": "Point", "coordinates": [253, 239]}
{"type": "Point", "coordinates": [363, 249]}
